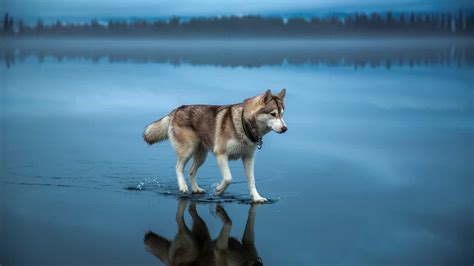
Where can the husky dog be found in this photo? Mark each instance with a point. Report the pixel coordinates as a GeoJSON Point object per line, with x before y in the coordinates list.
{"type": "Point", "coordinates": [196, 247]}
{"type": "Point", "coordinates": [229, 131]}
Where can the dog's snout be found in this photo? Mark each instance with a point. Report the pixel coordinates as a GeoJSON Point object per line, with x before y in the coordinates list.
{"type": "Point", "coordinates": [284, 129]}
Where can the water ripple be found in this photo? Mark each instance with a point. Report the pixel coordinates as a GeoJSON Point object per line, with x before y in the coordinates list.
{"type": "Point", "coordinates": [170, 189]}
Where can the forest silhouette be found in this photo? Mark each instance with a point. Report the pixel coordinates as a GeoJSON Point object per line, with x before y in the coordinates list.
{"type": "Point", "coordinates": [372, 24]}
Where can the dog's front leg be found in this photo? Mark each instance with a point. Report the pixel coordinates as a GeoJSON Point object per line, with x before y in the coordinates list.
{"type": "Point", "coordinates": [223, 162]}
{"type": "Point", "coordinates": [222, 241]}
{"type": "Point", "coordinates": [248, 239]}
{"type": "Point", "coordinates": [248, 161]}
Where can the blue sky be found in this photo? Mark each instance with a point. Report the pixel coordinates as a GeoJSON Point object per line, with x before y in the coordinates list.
{"type": "Point", "coordinates": [160, 8]}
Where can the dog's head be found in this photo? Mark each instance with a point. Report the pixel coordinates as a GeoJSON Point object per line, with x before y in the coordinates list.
{"type": "Point", "coordinates": [267, 111]}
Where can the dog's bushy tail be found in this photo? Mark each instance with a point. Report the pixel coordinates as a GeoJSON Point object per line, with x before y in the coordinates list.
{"type": "Point", "coordinates": [157, 131]}
{"type": "Point", "coordinates": [158, 246]}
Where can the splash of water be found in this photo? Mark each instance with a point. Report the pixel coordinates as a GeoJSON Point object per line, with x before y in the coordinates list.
{"type": "Point", "coordinates": [170, 189]}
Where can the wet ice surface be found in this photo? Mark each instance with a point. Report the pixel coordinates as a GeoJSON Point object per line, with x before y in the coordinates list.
{"type": "Point", "coordinates": [170, 189]}
{"type": "Point", "coordinates": [376, 167]}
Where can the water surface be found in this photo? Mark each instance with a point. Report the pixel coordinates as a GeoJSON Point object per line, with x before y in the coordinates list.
{"type": "Point", "coordinates": [376, 167]}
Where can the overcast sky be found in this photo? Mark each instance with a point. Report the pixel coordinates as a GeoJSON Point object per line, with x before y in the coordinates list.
{"type": "Point", "coordinates": [163, 8]}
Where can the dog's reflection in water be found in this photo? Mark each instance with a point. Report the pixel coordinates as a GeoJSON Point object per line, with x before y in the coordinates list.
{"type": "Point", "coordinates": [196, 247]}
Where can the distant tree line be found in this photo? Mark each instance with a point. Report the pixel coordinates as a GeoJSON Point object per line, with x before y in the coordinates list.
{"type": "Point", "coordinates": [459, 23]}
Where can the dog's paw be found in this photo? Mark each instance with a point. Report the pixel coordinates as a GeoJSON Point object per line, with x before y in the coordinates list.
{"type": "Point", "coordinates": [222, 214]}
{"type": "Point", "coordinates": [192, 208]}
{"type": "Point", "coordinates": [198, 190]}
{"type": "Point", "coordinates": [259, 199]}
{"type": "Point", "coordinates": [219, 190]}
{"type": "Point", "coordinates": [184, 189]}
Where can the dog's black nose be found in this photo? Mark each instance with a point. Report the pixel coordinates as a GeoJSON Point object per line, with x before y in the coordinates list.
{"type": "Point", "coordinates": [284, 129]}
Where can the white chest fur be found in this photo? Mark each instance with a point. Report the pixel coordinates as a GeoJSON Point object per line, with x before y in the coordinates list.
{"type": "Point", "coordinates": [235, 148]}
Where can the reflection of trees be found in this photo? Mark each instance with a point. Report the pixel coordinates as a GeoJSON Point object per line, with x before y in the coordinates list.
{"type": "Point", "coordinates": [7, 24]}
{"type": "Point", "coordinates": [388, 23]}
{"type": "Point", "coordinates": [246, 54]}
{"type": "Point", "coordinates": [8, 56]}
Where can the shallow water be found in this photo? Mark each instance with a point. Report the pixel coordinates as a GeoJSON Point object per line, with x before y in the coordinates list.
{"type": "Point", "coordinates": [376, 167]}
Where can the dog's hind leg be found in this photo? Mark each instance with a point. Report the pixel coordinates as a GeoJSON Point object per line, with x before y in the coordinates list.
{"type": "Point", "coordinates": [180, 164]}
{"type": "Point", "coordinates": [199, 158]}
{"type": "Point", "coordinates": [200, 230]}
{"type": "Point", "coordinates": [183, 250]}
{"type": "Point", "coordinates": [185, 143]}
{"type": "Point", "coordinates": [180, 216]}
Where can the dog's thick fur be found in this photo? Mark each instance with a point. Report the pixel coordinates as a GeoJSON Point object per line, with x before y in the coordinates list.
{"type": "Point", "coordinates": [194, 130]}
{"type": "Point", "coordinates": [196, 247]}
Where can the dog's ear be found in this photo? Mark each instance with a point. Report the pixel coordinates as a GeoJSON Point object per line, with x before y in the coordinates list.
{"type": "Point", "coordinates": [267, 96]}
{"type": "Point", "coordinates": [249, 105]}
{"type": "Point", "coordinates": [281, 94]}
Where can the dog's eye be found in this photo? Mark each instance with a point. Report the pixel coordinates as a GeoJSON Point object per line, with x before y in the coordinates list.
{"type": "Point", "coordinates": [273, 114]}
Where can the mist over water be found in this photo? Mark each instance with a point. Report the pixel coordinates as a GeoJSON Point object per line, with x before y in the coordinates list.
{"type": "Point", "coordinates": [357, 52]}
{"type": "Point", "coordinates": [376, 166]}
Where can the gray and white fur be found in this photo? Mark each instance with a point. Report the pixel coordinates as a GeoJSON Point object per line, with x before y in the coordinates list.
{"type": "Point", "coordinates": [194, 130]}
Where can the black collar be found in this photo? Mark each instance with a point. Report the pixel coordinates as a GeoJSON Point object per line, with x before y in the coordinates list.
{"type": "Point", "coordinates": [249, 132]}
